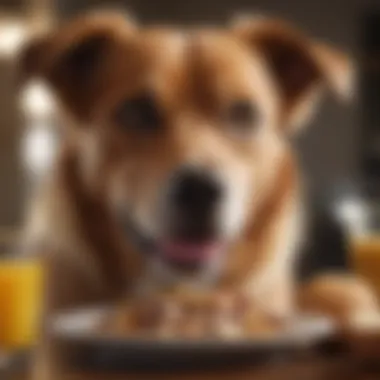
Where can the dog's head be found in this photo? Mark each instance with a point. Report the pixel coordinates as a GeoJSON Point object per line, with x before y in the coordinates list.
{"type": "Point", "coordinates": [182, 131]}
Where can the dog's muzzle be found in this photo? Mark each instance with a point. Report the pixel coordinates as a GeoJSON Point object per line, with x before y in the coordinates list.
{"type": "Point", "coordinates": [190, 237]}
{"type": "Point", "coordinates": [193, 204]}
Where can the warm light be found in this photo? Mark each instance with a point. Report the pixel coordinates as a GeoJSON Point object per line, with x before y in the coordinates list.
{"type": "Point", "coordinates": [37, 101]}
{"type": "Point", "coordinates": [39, 147]}
{"type": "Point", "coordinates": [12, 35]}
{"type": "Point", "coordinates": [353, 213]}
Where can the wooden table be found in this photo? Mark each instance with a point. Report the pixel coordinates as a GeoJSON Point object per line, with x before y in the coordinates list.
{"type": "Point", "coordinates": [333, 360]}
{"type": "Point", "coordinates": [310, 368]}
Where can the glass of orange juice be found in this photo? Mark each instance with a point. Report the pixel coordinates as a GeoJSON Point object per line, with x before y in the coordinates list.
{"type": "Point", "coordinates": [360, 214]}
{"type": "Point", "coordinates": [21, 289]}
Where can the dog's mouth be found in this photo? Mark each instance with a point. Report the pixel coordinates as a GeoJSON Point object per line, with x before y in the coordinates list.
{"type": "Point", "coordinates": [185, 254]}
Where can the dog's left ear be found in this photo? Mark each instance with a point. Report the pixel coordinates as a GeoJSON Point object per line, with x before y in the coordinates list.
{"type": "Point", "coordinates": [300, 67]}
{"type": "Point", "coordinates": [74, 59]}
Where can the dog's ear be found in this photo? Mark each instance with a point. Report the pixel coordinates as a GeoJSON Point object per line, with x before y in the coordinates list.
{"type": "Point", "coordinates": [71, 59]}
{"type": "Point", "coordinates": [299, 66]}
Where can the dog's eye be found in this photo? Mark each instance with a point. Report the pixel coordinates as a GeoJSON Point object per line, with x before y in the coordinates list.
{"type": "Point", "coordinates": [243, 113]}
{"type": "Point", "coordinates": [140, 114]}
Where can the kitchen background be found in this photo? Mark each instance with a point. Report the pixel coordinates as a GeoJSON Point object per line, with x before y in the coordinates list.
{"type": "Point", "coordinates": [340, 147]}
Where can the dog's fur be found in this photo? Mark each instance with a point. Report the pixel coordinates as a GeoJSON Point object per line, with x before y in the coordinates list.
{"type": "Point", "coordinates": [93, 64]}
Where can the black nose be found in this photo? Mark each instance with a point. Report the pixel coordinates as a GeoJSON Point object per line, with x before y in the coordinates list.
{"type": "Point", "coordinates": [196, 192]}
{"type": "Point", "coordinates": [194, 201]}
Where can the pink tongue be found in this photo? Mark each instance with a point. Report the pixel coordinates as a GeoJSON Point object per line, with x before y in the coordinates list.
{"type": "Point", "coordinates": [188, 251]}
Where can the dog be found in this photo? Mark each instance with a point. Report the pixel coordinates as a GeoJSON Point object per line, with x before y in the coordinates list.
{"type": "Point", "coordinates": [175, 165]}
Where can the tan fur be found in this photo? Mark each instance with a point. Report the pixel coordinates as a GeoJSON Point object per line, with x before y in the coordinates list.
{"type": "Point", "coordinates": [348, 298]}
{"type": "Point", "coordinates": [194, 76]}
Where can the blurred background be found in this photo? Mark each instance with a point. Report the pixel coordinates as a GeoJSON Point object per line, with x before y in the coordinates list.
{"type": "Point", "coordinates": [338, 152]}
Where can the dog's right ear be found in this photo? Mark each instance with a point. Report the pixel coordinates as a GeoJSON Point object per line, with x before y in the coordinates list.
{"type": "Point", "coordinates": [72, 59]}
{"type": "Point", "coordinates": [300, 67]}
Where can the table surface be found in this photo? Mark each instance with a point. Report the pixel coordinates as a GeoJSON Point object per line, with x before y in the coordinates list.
{"type": "Point", "coordinates": [330, 361]}
{"type": "Point", "coordinates": [311, 368]}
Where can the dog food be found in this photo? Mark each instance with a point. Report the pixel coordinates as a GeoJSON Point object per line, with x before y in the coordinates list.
{"type": "Point", "coordinates": [189, 315]}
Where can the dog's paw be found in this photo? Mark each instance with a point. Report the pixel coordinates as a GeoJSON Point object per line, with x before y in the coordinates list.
{"type": "Point", "coordinates": [345, 298]}
{"type": "Point", "coordinates": [352, 305]}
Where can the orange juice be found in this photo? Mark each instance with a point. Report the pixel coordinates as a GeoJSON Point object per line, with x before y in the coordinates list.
{"type": "Point", "coordinates": [365, 255]}
{"type": "Point", "coordinates": [21, 287]}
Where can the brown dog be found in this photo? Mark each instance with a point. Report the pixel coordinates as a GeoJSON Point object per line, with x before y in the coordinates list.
{"type": "Point", "coordinates": [175, 165]}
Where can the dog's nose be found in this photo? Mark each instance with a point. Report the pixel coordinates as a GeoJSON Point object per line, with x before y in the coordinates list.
{"type": "Point", "coordinates": [194, 200]}
{"type": "Point", "coordinates": [196, 192]}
